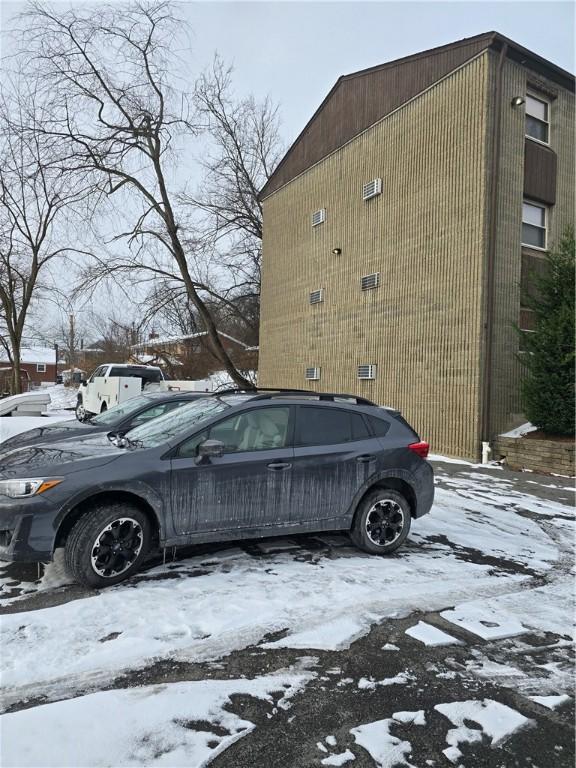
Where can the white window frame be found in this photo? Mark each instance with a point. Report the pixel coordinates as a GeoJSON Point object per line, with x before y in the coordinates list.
{"type": "Point", "coordinates": [320, 292]}
{"type": "Point", "coordinates": [40, 367]}
{"type": "Point", "coordinates": [548, 103]}
{"type": "Point", "coordinates": [545, 227]}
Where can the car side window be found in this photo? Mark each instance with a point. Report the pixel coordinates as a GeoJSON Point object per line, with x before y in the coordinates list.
{"type": "Point", "coordinates": [329, 426]}
{"type": "Point", "coordinates": [379, 426]}
{"type": "Point", "coordinates": [189, 449]}
{"type": "Point", "coordinates": [258, 430]}
{"type": "Point", "coordinates": [98, 372]}
{"type": "Point", "coordinates": [155, 411]}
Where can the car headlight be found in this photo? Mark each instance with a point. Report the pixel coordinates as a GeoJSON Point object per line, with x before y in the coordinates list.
{"type": "Point", "coordinates": [21, 489]}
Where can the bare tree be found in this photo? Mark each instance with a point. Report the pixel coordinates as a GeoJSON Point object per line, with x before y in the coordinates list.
{"type": "Point", "coordinates": [108, 72]}
{"type": "Point", "coordinates": [37, 200]}
{"type": "Point", "coordinates": [245, 148]}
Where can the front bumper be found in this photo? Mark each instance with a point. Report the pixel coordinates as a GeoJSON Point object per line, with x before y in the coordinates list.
{"type": "Point", "coordinates": [26, 530]}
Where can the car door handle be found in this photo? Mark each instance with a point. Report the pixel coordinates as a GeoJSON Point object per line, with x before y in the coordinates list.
{"type": "Point", "coordinates": [279, 465]}
{"type": "Point", "coordinates": [365, 458]}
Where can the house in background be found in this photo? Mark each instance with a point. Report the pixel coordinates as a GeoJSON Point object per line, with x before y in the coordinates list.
{"type": "Point", "coordinates": [402, 225]}
{"type": "Point", "coordinates": [37, 367]}
{"type": "Point", "coordinates": [190, 356]}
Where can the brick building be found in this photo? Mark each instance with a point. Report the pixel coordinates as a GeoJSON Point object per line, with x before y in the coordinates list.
{"type": "Point", "coordinates": [37, 367]}
{"type": "Point", "coordinates": [401, 225]}
{"type": "Point", "coordinates": [190, 356]}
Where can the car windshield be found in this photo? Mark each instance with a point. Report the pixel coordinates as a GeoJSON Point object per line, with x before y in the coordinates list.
{"type": "Point", "coordinates": [112, 415]}
{"type": "Point", "coordinates": [164, 428]}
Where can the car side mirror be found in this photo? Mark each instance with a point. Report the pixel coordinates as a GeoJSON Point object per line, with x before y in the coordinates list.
{"type": "Point", "coordinates": [83, 382]}
{"type": "Point", "coordinates": [210, 449]}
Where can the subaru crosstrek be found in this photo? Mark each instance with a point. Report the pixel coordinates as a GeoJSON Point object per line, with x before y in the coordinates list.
{"type": "Point", "coordinates": [236, 465]}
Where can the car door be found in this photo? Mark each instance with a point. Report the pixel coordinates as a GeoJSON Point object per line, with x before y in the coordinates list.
{"type": "Point", "coordinates": [248, 486]}
{"type": "Point", "coordinates": [334, 454]}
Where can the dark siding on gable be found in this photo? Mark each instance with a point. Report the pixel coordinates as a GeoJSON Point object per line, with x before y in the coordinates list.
{"type": "Point", "coordinates": [358, 101]}
{"type": "Point", "coordinates": [539, 173]}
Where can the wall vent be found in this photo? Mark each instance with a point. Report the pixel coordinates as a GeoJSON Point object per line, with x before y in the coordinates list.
{"type": "Point", "coordinates": [317, 296]}
{"type": "Point", "coordinates": [371, 189]}
{"type": "Point", "coordinates": [366, 371]}
{"type": "Point", "coordinates": [313, 374]}
{"type": "Point", "coordinates": [319, 217]}
{"type": "Point", "coordinates": [370, 281]}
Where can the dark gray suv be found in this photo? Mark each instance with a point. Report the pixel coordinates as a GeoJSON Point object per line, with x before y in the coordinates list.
{"type": "Point", "coordinates": [234, 465]}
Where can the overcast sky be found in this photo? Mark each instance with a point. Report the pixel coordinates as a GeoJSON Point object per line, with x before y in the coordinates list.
{"type": "Point", "coordinates": [295, 51]}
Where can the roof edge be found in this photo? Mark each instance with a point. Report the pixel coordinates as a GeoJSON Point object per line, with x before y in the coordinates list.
{"type": "Point", "coordinates": [493, 39]}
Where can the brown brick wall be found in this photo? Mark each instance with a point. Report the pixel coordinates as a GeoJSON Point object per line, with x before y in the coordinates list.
{"type": "Point", "coordinates": [425, 235]}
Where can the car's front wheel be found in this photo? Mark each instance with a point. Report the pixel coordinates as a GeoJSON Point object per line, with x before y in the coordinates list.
{"type": "Point", "coordinates": [382, 522]}
{"type": "Point", "coordinates": [107, 544]}
{"type": "Point", "coordinates": [80, 410]}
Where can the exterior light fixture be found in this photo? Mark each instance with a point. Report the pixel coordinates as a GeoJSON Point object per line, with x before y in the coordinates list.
{"type": "Point", "coordinates": [336, 251]}
{"type": "Point", "coordinates": [517, 101]}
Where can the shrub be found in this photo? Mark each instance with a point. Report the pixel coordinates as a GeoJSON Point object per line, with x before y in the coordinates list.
{"type": "Point", "coordinates": [549, 351]}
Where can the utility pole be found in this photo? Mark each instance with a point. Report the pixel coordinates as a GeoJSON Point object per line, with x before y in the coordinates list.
{"type": "Point", "coordinates": [72, 345]}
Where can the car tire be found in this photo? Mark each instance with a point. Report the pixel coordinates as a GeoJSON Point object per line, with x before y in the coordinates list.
{"type": "Point", "coordinates": [377, 507]}
{"type": "Point", "coordinates": [80, 410]}
{"type": "Point", "coordinates": [107, 544]}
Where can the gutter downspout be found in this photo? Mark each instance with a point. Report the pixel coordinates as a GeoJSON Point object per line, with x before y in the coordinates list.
{"type": "Point", "coordinates": [492, 232]}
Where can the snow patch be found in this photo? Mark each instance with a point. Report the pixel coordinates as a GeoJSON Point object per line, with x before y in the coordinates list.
{"type": "Point", "coordinates": [497, 721]}
{"type": "Point", "coordinates": [386, 750]}
{"type": "Point", "coordinates": [430, 635]}
{"type": "Point", "coordinates": [523, 429]}
{"type": "Point", "coordinates": [552, 702]}
{"type": "Point", "coordinates": [177, 724]}
{"type": "Point", "coordinates": [339, 759]}
{"type": "Point", "coordinates": [416, 718]}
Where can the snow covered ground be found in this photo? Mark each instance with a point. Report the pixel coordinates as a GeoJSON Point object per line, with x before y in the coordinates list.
{"type": "Point", "coordinates": [201, 660]}
{"type": "Point", "coordinates": [62, 400]}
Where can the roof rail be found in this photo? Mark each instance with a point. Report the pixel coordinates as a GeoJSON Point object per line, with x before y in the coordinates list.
{"type": "Point", "coordinates": [325, 396]}
{"type": "Point", "coordinates": [256, 390]}
{"type": "Point", "coordinates": [265, 393]}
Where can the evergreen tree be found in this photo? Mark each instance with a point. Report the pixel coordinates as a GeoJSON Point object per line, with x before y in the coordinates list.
{"type": "Point", "coordinates": [549, 352]}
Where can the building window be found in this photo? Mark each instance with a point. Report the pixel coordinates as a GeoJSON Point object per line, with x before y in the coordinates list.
{"type": "Point", "coordinates": [317, 296]}
{"type": "Point", "coordinates": [313, 374]}
{"type": "Point", "coordinates": [537, 124]}
{"type": "Point", "coordinates": [40, 367]}
{"type": "Point", "coordinates": [534, 225]}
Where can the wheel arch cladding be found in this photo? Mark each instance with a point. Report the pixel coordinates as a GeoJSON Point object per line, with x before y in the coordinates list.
{"type": "Point", "coordinates": [393, 484]}
{"type": "Point", "coordinates": [115, 497]}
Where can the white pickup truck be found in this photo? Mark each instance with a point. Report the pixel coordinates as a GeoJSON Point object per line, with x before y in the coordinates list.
{"type": "Point", "coordinates": [112, 383]}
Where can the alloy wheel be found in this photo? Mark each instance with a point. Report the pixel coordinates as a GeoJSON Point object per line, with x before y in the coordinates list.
{"type": "Point", "coordinates": [116, 547]}
{"type": "Point", "coordinates": [384, 522]}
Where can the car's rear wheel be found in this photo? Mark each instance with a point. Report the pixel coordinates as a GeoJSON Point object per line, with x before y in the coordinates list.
{"type": "Point", "coordinates": [382, 522]}
{"type": "Point", "coordinates": [107, 544]}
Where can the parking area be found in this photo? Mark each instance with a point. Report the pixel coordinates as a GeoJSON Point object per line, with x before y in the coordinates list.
{"type": "Point", "coordinates": [297, 652]}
